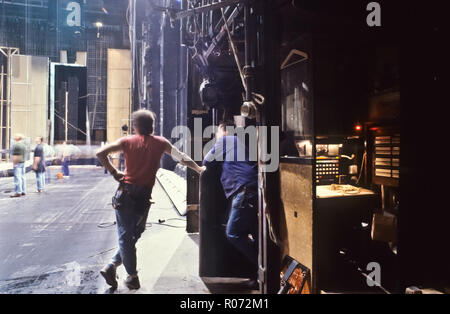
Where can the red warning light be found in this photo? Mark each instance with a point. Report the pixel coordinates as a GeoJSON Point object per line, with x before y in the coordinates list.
{"type": "Point", "coordinates": [358, 127]}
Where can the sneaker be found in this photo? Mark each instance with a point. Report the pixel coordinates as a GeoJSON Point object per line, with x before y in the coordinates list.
{"type": "Point", "coordinates": [132, 282]}
{"type": "Point", "coordinates": [23, 194]}
{"type": "Point", "coordinates": [109, 273]}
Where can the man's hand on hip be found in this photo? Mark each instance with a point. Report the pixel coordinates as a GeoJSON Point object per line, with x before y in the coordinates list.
{"type": "Point", "coordinates": [118, 175]}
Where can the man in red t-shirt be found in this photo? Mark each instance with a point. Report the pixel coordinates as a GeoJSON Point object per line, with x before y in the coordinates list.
{"type": "Point", "coordinates": [142, 152]}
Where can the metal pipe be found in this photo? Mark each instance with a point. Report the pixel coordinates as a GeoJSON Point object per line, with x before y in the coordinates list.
{"type": "Point", "coordinates": [66, 114]}
{"type": "Point", "coordinates": [203, 20]}
{"type": "Point", "coordinates": [217, 39]}
{"type": "Point", "coordinates": [206, 8]}
{"type": "Point", "coordinates": [133, 51]}
{"type": "Point", "coordinates": [183, 30]}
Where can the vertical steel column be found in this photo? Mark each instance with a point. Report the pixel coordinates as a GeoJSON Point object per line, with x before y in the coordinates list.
{"type": "Point", "coordinates": [66, 112]}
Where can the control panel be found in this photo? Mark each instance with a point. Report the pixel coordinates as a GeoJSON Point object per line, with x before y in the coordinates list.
{"type": "Point", "coordinates": [327, 171]}
{"type": "Point", "coordinates": [386, 159]}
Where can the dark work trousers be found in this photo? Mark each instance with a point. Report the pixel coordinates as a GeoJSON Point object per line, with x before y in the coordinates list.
{"type": "Point", "coordinates": [65, 166]}
{"type": "Point", "coordinates": [131, 217]}
{"type": "Point", "coordinates": [242, 222]}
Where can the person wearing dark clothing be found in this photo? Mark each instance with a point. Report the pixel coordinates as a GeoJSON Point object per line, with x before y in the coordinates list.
{"type": "Point", "coordinates": [65, 159]}
{"type": "Point", "coordinates": [239, 180]}
{"type": "Point", "coordinates": [39, 164]}
{"type": "Point", "coordinates": [142, 153]}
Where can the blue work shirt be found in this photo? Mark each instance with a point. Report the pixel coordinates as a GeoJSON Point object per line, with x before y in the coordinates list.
{"type": "Point", "coordinates": [236, 172]}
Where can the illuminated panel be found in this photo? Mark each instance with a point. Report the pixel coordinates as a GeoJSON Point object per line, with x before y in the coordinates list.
{"type": "Point", "coordinates": [387, 157]}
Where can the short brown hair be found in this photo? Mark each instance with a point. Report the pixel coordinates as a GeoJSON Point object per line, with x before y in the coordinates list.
{"type": "Point", "coordinates": [144, 121]}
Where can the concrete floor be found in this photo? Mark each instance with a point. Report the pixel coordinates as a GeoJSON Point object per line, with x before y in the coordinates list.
{"type": "Point", "coordinates": [57, 241]}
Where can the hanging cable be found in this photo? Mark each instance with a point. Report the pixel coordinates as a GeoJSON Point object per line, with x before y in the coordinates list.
{"type": "Point", "coordinates": [362, 166]}
{"type": "Point", "coordinates": [233, 48]}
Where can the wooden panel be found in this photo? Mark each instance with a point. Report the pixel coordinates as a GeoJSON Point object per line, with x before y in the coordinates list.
{"type": "Point", "coordinates": [296, 195]}
{"type": "Point", "coordinates": [29, 96]}
{"type": "Point", "coordinates": [118, 92]}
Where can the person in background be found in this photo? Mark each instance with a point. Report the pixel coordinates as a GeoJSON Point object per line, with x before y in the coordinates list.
{"type": "Point", "coordinates": [143, 152]}
{"type": "Point", "coordinates": [121, 161]}
{"type": "Point", "coordinates": [239, 180]}
{"type": "Point", "coordinates": [18, 159]}
{"type": "Point", "coordinates": [39, 164]}
{"type": "Point", "coordinates": [65, 160]}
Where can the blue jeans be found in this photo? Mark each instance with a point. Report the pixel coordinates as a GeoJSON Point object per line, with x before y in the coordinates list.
{"type": "Point", "coordinates": [40, 179]}
{"type": "Point", "coordinates": [65, 167]}
{"type": "Point", "coordinates": [131, 217]}
{"type": "Point", "coordinates": [242, 221]}
{"type": "Point", "coordinates": [19, 178]}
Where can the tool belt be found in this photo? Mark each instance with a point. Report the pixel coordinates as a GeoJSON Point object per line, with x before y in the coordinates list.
{"type": "Point", "coordinates": [130, 195]}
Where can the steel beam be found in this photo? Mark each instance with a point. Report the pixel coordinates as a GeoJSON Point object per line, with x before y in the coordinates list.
{"type": "Point", "coordinates": [207, 8]}
{"type": "Point", "coordinates": [218, 38]}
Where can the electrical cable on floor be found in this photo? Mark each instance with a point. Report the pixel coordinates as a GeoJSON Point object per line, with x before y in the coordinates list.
{"type": "Point", "coordinates": [149, 224]}
{"type": "Point", "coordinates": [103, 252]}
{"type": "Point", "coordinates": [106, 224]}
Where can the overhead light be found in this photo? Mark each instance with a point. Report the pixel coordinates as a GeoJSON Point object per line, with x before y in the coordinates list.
{"type": "Point", "coordinates": [105, 11]}
{"type": "Point", "coordinates": [99, 25]}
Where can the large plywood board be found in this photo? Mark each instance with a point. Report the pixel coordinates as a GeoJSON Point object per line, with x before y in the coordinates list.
{"type": "Point", "coordinates": [29, 95]}
{"type": "Point", "coordinates": [118, 92]}
{"type": "Point", "coordinates": [296, 195]}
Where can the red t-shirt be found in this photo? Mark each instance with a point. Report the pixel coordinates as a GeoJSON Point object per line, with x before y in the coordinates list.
{"type": "Point", "coordinates": [142, 158]}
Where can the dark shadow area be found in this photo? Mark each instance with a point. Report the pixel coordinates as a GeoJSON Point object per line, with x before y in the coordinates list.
{"type": "Point", "coordinates": [221, 285]}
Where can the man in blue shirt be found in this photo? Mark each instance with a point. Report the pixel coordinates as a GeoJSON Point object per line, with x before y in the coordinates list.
{"type": "Point", "coordinates": [39, 163]}
{"type": "Point", "coordinates": [239, 180]}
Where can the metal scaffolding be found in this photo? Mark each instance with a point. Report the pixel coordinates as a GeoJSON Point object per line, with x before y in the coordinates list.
{"type": "Point", "coordinates": [8, 52]}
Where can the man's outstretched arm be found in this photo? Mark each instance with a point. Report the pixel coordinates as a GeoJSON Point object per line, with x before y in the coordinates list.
{"type": "Point", "coordinates": [102, 155]}
{"type": "Point", "coordinates": [182, 158]}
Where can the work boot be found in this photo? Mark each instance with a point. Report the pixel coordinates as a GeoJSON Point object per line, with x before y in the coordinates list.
{"type": "Point", "coordinates": [109, 273]}
{"type": "Point", "coordinates": [132, 282]}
